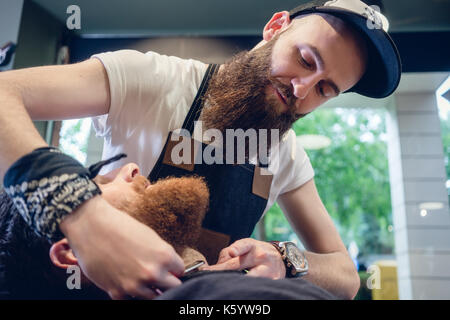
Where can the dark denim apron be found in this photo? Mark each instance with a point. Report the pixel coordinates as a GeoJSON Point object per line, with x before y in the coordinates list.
{"type": "Point", "coordinates": [238, 192]}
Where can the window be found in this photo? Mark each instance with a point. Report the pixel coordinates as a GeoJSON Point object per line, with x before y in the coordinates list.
{"type": "Point", "coordinates": [444, 115]}
{"type": "Point", "coordinates": [74, 137]}
{"type": "Point", "coordinates": [352, 177]}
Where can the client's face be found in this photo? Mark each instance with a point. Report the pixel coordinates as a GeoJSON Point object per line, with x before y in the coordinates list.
{"type": "Point", "coordinates": [173, 207]}
{"type": "Point", "coordinates": [123, 187]}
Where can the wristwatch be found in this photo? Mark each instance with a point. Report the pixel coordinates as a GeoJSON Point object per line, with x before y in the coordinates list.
{"type": "Point", "coordinates": [294, 259]}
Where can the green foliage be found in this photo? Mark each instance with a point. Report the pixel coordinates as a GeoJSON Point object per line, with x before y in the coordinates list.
{"type": "Point", "coordinates": [445, 130]}
{"type": "Point", "coordinates": [276, 226]}
{"type": "Point", "coordinates": [352, 177]}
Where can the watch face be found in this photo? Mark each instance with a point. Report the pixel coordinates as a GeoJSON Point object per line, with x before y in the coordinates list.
{"type": "Point", "coordinates": [295, 256]}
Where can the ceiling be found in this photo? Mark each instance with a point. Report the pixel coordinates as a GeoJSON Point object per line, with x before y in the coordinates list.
{"type": "Point", "coordinates": [145, 18]}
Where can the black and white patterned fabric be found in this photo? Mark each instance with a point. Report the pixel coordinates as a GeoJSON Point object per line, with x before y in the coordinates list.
{"type": "Point", "coordinates": [46, 185]}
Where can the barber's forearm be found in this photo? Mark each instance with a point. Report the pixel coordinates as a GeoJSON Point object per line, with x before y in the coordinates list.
{"type": "Point", "coordinates": [334, 272]}
{"type": "Point", "coordinates": [18, 136]}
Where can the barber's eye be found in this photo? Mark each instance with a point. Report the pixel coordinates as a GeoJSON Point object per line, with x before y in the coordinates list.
{"type": "Point", "coordinates": [320, 89]}
{"type": "Point", "coordinates": [309, 65]}
{"type": "Point", "coordinates": [325, 91]}
{"type": "Point", "coordinates": [305, 60]}
{"type": "Point", "coordinates": [306, 63]}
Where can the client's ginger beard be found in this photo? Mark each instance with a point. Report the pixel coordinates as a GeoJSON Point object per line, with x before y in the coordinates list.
{"type": "Point", "coordinates": [174, 208]}
{"type": "Point", "coordinates": [236, 97]}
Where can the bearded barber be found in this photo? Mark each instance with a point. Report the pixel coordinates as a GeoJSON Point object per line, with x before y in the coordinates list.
{"type": "Point", "coordinates": [307, 56]}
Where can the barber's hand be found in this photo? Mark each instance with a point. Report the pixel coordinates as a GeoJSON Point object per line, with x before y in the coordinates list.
{"type": "Point", "coordinates": [259, 257]}
{"type": "Point", "coordinates": [119, 254]}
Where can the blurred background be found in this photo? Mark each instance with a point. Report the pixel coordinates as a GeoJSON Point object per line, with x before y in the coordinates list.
{"type": "Point", "coordinates": [381, 166]}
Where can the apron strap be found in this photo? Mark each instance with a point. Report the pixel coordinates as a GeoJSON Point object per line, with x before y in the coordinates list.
{"type": "Point", "coordinates": [197, 105]}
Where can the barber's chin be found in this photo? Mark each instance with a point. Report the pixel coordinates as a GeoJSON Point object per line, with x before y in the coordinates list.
{"type": "Point", "coordinates": [190, 255]}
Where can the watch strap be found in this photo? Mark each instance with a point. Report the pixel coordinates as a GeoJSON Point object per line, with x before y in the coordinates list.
{"type": "Point", "coordinates": [282, 252]}
{"type": "Point", "coordinates": [291, 272]}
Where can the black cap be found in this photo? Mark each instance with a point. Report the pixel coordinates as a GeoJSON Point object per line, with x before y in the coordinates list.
{"type": "Point", "coordinates": [383, 70]}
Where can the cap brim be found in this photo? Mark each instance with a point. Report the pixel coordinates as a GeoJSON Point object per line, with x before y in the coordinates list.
{"type": "Point", "coordinates": [383, 70]}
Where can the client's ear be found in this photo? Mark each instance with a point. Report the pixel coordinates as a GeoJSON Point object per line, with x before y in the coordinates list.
{"type": "Point", "coordinates": [62, 255]}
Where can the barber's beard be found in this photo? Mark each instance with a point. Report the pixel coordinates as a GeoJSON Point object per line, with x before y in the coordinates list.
{"type": "Point", "coordinates": [237, 99]}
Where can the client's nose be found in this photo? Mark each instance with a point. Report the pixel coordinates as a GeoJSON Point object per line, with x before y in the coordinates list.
{"type": "Point", "coordinates": [130, 171]}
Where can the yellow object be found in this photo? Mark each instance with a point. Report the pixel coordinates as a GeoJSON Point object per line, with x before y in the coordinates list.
{"type": "Point", "coordinates": [387, 288]}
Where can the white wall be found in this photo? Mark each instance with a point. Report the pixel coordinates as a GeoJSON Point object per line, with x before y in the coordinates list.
{"type": "Point", "coordinates": [417, 175]}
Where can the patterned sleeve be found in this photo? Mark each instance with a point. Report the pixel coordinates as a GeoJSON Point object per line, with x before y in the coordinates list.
{"type": "Point", "coordinates": [45, 186]}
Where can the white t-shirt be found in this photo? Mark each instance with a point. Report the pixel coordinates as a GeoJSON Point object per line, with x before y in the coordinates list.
{"type": "Point", "coordinates": [150, 96]}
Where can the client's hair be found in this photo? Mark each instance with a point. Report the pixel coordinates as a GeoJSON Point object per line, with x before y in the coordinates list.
{"type": "Point", "coordinates": [26, 271]}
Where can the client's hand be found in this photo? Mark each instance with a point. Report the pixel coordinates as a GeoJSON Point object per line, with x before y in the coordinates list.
{"type": "Point", "coordinates": [119, 254]}
{"type": "Point", "coordinates": [259, 257]}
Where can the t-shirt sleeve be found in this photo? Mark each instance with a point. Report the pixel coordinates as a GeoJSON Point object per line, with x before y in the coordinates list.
{"type": "Point", "coordinates": [299, 166]}
{"type": "Point", "coordinates": [135, 80]}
